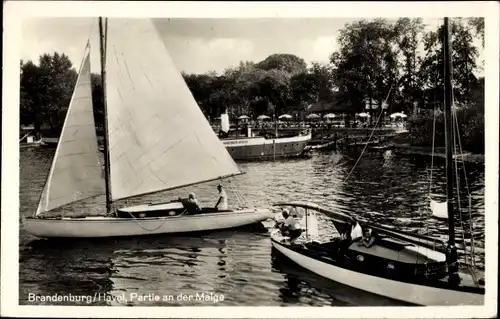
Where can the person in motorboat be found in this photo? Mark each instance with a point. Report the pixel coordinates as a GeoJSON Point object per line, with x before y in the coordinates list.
{"type": "Point", "coordinates": [290, 226]}
{"type": "Point", "coordinates": [222, 202]}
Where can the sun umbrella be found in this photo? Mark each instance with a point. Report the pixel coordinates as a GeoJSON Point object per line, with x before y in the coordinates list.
{"type": "Point", "coordinates": [243, 117]}
{"type": "Point", "coordinates": [394, 115]}
{"type": "Point", "coordinates": [313, 116]}
{"type": "Point", "coordinates": [329, 116]}
{"type": "Point", "coordinates": [263, 117]}
{"type": "Point", "coordinates": [285, 116]}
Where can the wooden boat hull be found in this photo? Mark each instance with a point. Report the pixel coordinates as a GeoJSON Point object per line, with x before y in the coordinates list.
{"type": "Point", "coordinates": [403, 291]}
{"type": "Point", "coordinates": [100, 226]}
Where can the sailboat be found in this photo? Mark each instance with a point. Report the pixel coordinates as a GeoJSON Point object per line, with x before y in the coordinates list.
{"type": "Point", "coordinates": [403, 266]}
{"type": "Point", "coordinates": [156, 139]}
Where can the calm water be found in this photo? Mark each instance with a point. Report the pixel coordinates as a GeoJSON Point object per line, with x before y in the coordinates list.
{"type": "Point", "coordinates": [240, 265]}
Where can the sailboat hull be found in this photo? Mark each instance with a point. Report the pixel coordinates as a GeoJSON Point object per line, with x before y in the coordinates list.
{"type": "Point", "coordinates": [99, 226]}
{"type": "Point", "coordinates": [406, 292]}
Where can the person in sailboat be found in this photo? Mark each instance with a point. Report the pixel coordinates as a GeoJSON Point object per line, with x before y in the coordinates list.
{"type": "Point", "coordinates": [192, 199]}
{"type": "Point", "coordinates": [222, 201]}
{"type": "Point", "coordinates": [191, 204]}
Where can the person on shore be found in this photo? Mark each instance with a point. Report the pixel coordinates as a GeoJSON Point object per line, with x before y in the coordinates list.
{"type": "Point", "coordinates": [222, 202]}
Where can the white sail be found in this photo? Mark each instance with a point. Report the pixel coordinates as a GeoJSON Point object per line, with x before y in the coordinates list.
{"type": "Point", "coordinates": [76, 172]}
{"type": "Point", "coordinates": [158, 137]}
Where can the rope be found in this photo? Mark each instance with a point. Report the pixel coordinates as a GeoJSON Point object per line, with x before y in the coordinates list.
{"type": "Point", "coordinates": [471, 228]}
{"type": "Point", "coordinates": [434, 115]}
{"type": "Point", "coordinates": [467, 262]}
{"type": "Point", "coordinates": [471, 263]}
{"type": "Point", "coordinates": [472, 252]}
{"type": "Point", "coordinates": [371, 134]}
{"type": "Point", "coordinates": [433, 145]}
{"type": "Point", "coordinates": [434, 127]}
{"type": "Point", "coordinates": [239, 197]}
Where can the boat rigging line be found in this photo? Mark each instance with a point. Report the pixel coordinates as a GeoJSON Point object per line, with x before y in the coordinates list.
{"type": "Point", "coordinates": [371, 134]}
{"type": "Point", "coordinates": [240, 198]}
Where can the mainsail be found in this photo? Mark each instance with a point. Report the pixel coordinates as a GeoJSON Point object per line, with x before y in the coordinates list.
{"type": "Point", "coordinates": [158, 137]}
{"type": "Point", "coordinates": [76, 172]}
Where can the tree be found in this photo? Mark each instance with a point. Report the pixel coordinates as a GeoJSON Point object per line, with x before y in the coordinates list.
{"type": "Point", "coordinates": [60, 79]}
{"type": "Point", "coordinates": [312, 86]}
{"type": "Point", "coordinates": [30, 93]}
{"type": "Point", "coordinates": [408, 33]}
{"type": "Point", "coordinates": [304, 88]}
{"type": "Point", "coordinates": [478, 25]}
{"type": "Point", "coordinates": [322, 74]}
{"type": "Point", "coordinates": [464, 57]}
{"type": "Point", "coordinates": [97, 100]}
{"type": "Point", "coordinates": [284, 62]}
{"type": "Point", "coordinates": [365, 66]}
{"type": "Point", "coordinates": [273, 88]}
{"type": "Point", "coordinates": [200, 86]}
{"type": "Point", "coordinates": [46, 89]}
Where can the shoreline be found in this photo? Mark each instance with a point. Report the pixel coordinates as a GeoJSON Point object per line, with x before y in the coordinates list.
{"type": "Point", "coordinates": [408, 149]}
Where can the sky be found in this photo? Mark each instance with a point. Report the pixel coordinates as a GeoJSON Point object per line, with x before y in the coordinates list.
{"type": "Point", "coordinates": [198, 45]}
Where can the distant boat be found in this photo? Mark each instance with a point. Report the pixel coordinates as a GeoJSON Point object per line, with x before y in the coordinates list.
{"type": "Point", "coordinates": [262, 148]}
{"type": "Point", "coordinates": [250, 147]}
{"type": "Point", "coordinates": [156, 139]}
{"type": "Point", "coordinates": [389, 262]}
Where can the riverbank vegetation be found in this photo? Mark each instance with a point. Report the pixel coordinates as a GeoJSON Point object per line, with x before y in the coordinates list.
{"type": "Point", "coordinates": [375, 60]}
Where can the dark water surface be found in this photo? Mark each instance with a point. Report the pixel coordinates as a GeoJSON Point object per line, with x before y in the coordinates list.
{"type": "Point", "coordinates": [239, 265]}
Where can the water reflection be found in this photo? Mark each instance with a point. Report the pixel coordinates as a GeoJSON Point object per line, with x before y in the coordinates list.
{"type": "Point", "coordinates": [78, 268]}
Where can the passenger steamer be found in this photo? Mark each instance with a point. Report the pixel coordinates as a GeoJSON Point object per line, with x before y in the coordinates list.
{"type": "Point", "coordinates": [251, 147]}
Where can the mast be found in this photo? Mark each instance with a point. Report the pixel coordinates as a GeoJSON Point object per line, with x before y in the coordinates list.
{"type": "Point", "coordinates": [103, 33]}
{"type": "Point", "coordinates": [451, 256]}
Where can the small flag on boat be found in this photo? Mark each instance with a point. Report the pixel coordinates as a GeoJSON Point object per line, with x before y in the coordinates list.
{"type": "Point", "coordinates": [356, 232]}
{"type": "Point", "coordinates": [439, 210]}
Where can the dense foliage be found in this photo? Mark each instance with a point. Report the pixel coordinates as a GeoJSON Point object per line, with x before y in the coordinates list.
{"type": "Point", "coordinates": [469, 124]}
{"type": "Point", "coordinates": [376, 61]}
{"type": "Point", "coordinates": [46, 91]}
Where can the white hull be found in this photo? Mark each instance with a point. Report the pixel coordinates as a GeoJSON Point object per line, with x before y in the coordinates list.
{"type": "Point", "coordinates": [407, 292]}
{"type": "Point", "coordinates": [258, 141]}
{"type": "Point", "coordinates": [99, 226]}
{"type": "Point", "coordinates": [260, 148]}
